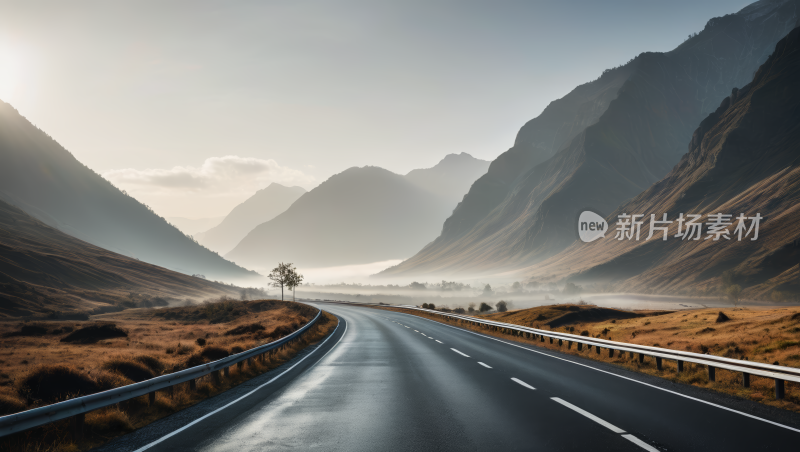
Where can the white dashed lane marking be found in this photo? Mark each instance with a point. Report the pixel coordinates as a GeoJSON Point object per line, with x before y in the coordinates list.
{"type": "Point", "coordinates": [522, 383]}
{"type": "Point", "coordinates": [460, 353]}
{"type": "Point", "coordinates": [485, 365]}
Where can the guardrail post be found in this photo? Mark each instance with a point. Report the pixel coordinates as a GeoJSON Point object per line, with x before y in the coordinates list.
{"type": "Point", "coordinates": [192, 385]}
{"type": "Point", "coordinates": [171, 391]}
{"type": "Point", "coordinates": [658, 363]}
{"type": "Point", "coordinates": [551, 340]}
{"type": "Point", "coordinates": [711, 373]}
{"type": "Point", "coordinates": [597, 350]}
{"type": "Point", "coordinates": [745, 380]}
{"type": "Point", "coordinates": [680, 366]}
{"type": "Point", "coordinates": [151, 398]}
{"type": "Point", "coordinates": [226, 371]}
{"type": "Point", "coordinates": [76, 426]}
{"type": "Point", "coordinates": [588, 346]}
{"type": "Point", "coordinates": [559, 342]}
{"type": "Point", "coordinates": [610, 352]}
{"type": "Point", "coordinates": [569, 345]}
{"type": "Point", "coordinates": [779, 389]}
{"type": "Point", "coordinates": [641, 357]}
{"type": "Point", "coordinates": [541, 337]}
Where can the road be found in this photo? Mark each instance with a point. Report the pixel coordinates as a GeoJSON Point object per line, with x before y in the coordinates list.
{"type": "Point", "coordinates": [391, 381]}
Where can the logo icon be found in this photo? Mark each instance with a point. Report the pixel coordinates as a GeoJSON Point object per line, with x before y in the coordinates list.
{"type": "Point", "coordinates": [591, 226]}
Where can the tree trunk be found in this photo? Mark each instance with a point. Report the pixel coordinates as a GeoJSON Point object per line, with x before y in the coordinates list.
{"type": "Point", "coordinates": [281, 292]}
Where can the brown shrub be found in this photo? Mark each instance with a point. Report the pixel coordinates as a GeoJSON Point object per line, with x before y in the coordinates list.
{"type": "Point", "coordinates": [10, 404]}
{"type": "Point", "coordinates": [108, 421]}
{"type": "Point", "coordinates": [214, 353]}
{"type": "Point", "coordinates": [245, 329]}
{"type": "Point", "coordinates": [152, 363]}
{"type": "Point", "coordinates": [93, 333]}
{"type": "Point", "coordinates": [28, 330]}
{"type": "Point", "coordinates": [195, 360]}
{"type": "Point", "coordinates": [280, 331]}
{"type": "Point", "coordinates": [131, 369]}
{"type": "Point", "coordinates": [50, 384]}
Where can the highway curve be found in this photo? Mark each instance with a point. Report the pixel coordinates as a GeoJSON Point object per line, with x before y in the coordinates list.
{"type": "Point", "coordinates": [391, 381]}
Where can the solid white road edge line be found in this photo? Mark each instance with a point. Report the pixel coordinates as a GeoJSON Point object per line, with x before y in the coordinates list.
{"type": "Point", "coordinates": [485, 365]}
{"type": "Point", "coordinates": [616, 375]}
{"type": "Point", "coordinates": [460, 353]}
{"type": "Point", "coordinates": [520, 382]}
{"type": "Point", "coordinates": [591, 416]}
{"type": "Point", "coordinates": [249, 393]}
{"type": "Point", "coordinates": [640, 443]}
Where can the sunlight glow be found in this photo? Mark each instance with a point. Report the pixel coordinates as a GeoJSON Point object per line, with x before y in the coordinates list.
{"type": "Point", "coordinates": [11, 74]}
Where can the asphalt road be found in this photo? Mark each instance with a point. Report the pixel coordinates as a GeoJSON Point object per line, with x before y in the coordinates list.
{"type": "Point", "coordinates": [391, 381]}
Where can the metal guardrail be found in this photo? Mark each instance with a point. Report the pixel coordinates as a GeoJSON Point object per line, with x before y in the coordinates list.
{"type": "Point", "coordinates": [77, 408]}
{"type": "Point", "coordinates": [780, 374]}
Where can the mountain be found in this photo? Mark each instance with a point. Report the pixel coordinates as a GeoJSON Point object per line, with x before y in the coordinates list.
{"type": "Point", "coordinates": [263, 206]}
{"type": "Point", "coordinates": [744, 158]}
{"type": "Point", "coordinates": [451, 177]}
{"type": "Point", "coordinates": [192, 226]}
{"type": "Point", "coordinates": [602, 144]}
{"type": "Point", "coordinates": [44, 270]}
{"type": "Point", "coordinates": [46, 181]}
{"type": "Point", "coordinates": [360, 215]}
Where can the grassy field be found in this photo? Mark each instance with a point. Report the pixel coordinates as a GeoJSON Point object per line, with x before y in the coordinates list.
{"type": "Point", "coordinates": [757, 334]}
{"type": "Point", "coordinates": [46, 362]}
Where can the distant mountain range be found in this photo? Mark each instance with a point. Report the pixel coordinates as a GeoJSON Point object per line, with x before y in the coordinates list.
{"type": "Point", "coordinates": [47, 182]}
{"type": "Point", "coordinates": [43, 270]}
{"type": "Point", "coordinates": [361, 215]}
{"type": "Point", "coordinates": [451, 178]}
{"type": "Point", "coordinates": [263, 206]}
{"type": "Point", "coordinates": [744, 158]}
{"type": "Point", "coordinates": [602, 144]}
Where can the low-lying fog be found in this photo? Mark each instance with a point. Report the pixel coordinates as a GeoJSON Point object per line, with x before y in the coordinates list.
{"type": "Point", "coordinates": [357, 283]}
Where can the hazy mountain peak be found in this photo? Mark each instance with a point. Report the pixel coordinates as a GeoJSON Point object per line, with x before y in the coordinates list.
{"type": "Point", "coordinates": [45, 180]}
{"type": "Point", "coordinates": [361, 215]}
{"type": "Point", "coordinates": [451, 177]}
{"type": "Point", "coordinates": [263, 206]}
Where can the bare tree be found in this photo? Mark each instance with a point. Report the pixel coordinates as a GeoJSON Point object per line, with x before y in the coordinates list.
{"type": "Point", "coordinates": [295, 280]}
{"type": "Point", "coordinates": [734, 292]}
{"type": "Point", "coordinates": [281, 276]}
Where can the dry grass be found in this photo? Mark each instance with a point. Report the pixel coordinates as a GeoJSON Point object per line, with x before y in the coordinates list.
{"type": "Point", "coordinates": [757, 334]}
{"type": "Point", "coordinates": [38, 370]}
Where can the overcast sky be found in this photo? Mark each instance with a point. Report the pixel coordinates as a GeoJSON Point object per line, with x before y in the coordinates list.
{"type": "Point", "coordinates": [192, 106]}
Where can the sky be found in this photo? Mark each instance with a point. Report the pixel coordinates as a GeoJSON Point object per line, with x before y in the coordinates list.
{"type": "Point", "coordinates": [192, 106]}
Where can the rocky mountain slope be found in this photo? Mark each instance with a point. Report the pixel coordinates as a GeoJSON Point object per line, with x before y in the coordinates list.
{"type": "Point", "coordinates": [744, 158]}
{"type": "Point", "coordinates": [602, 144]}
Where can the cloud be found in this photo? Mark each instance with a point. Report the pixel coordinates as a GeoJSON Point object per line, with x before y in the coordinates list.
{"type": "Point", "coordinates": [218, 175]}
